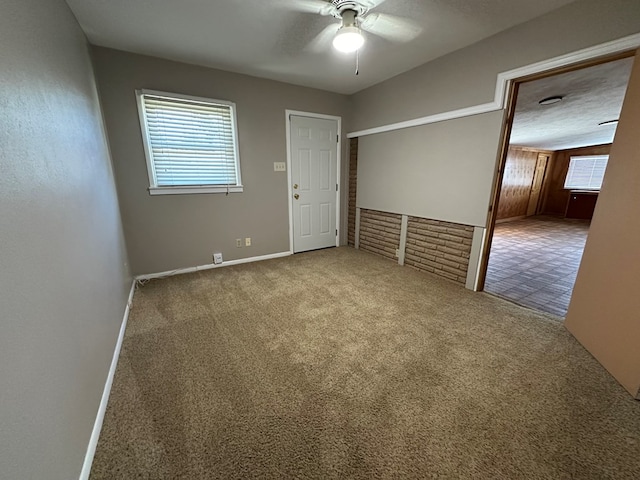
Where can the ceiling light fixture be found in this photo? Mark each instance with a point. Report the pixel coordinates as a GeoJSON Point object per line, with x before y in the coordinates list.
{"type": "Point", "coordinates": [349, 37]}
{"type": "Point", "coordinates": [608, 122]}
{"type": "Point", "coordinates": [551, 100]}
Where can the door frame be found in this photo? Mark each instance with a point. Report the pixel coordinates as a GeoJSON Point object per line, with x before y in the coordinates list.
{"type": "Point", "coordinates": [322, 116]}
{"type": "Point", "coordinates": [505, 136]}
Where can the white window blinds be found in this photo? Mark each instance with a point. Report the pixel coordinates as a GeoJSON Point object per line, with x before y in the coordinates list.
{"type": "Point", "coordinates": [586, 172]}
{"type": "Point", "coordinates": [189, 142]}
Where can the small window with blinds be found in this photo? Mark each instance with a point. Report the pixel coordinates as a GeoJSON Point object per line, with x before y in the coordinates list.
{"type": "Point", "coordinates": [586, 172]}
{"type": "Point", "coordinates": [191, 143]}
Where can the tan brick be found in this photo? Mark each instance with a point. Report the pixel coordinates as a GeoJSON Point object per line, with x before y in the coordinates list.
{"type": "Point", "coordinates": [451, 263]}
{"type": "Point", "coordinates": [433, 246]}
{"type": "Point", "coordinates": [461, 259]}
{"type": "Point", "coordinates": [430, 244]}
{"type": "Point", "coordinates": [430, 263]}
{"type": "Point", "coordinates": [424, 268]}
{"type": "Point", "coordinates": [458, 245]}
{"type": "Point", "coordinates": [353, 182]}
{"type": "Point", "coordinates": [450, 276]}
{"type": "Point", "coordinates": [451, 251]}
{"type": "Point", "coordinates": [453, 271]}
{"type": "Point", "coordinates": [451, 238]}
{"type": "Point", "coordinates": [436, 228]}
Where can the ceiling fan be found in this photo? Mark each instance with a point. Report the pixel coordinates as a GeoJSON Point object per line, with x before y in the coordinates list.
{"type": "Point", "coordinates": [354, 16]}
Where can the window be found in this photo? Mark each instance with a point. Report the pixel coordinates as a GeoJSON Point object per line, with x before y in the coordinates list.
{"type": "Point", "coordinates": [586, 172]}
{"type": "Point", "coordinates": [190, 143]}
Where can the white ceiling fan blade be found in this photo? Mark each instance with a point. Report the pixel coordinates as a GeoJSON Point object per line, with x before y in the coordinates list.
{"type": "Point", "coordinates": [390, 27]}
{"type": "Point", "coordinates": [322, 42]}
{"type": "Point", "coordinates": [320, 7]}
{"type": "Point", "coordinates": [372, 3]}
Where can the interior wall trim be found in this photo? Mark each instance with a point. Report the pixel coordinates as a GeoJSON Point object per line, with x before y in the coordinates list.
{"type": "Point", "coordinates": [209, 266]}
{"type": "Point", "coordinates": [97, 425]}
{"type": "Point", "coordinates": [357, 229]}
{"type": "Point", "coordinates": [402, 249]}
{"type": "Point", "coordinates": [504, 79]}
{"type": "Point", "coordinates": [473, 271]}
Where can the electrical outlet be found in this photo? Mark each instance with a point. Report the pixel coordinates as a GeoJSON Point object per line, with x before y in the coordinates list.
{"type": "Point", "coordinates": [247, 242]}
{"type": "Point", "coordinates": [279, 167]}
{"type": "Point", "coordinates": [217, 258]}
{"type": "Point", "coordinates": [397, 253]}
{"type": "Point", "coordinates": [238, 242]}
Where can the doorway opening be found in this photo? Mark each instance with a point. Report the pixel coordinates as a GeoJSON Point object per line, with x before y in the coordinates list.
{"type": "Point", "coordinates": [560, 129]}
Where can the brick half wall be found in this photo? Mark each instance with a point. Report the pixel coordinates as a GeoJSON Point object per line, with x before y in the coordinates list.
{"type": "Point", "coordinates": [439, 247]}
{"type": "Point", "coordinates": [380, 232]}
{"type": "Point", "coordinates": [353, 185]}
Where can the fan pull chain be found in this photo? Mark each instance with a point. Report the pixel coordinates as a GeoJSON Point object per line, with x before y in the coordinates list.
{"type": "Point", "coordinates": [357, 61]}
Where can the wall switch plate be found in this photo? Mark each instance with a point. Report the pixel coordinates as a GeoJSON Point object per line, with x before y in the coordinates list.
{"type": "Point", "coordinates": [217, 258]}
{"type": "Point", "coordinates": [247, 242]}
{"type": "Point", "coordinates": [238, 242]}
{"type": "Point", "coordinates": [279, 167]}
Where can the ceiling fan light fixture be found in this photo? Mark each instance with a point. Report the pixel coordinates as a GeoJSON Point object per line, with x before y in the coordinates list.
{"type": "Point", "coordinates": [348, 39]}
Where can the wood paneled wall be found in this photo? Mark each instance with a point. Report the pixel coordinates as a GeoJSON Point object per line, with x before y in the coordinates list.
{"type": "Point", "coordinates": [516, 182]}
{"type": "Point", "coordinates": [555, 196]}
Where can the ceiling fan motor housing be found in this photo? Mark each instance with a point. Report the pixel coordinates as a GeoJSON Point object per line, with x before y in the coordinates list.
{"type": "Point", "coordinates": [349, 18]}
{"type": "Point", "coordinates": [345, 7]}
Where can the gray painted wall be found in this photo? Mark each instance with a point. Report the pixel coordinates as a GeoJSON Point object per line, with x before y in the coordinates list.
{"type": "Point", "coordinates": [431, 172]}
{"type": "Point", "coordinates": [463, 79]}
{"type": "Point", "coordinates": [166, 232]}
{"type": "Point", "coordinates": [63, 274]}
{"type": "Point", "coordinates": [467, 77]}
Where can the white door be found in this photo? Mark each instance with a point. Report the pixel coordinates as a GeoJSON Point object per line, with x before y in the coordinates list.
{"type": "Point", "coordinates": [314, 182]}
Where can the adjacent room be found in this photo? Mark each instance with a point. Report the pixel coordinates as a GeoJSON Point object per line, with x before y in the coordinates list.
{"type": "Point", "coordinates": [561, 135]}
{"type": "Point", "coordinates": [248, 240]}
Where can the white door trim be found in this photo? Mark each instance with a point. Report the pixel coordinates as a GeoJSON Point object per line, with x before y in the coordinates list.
{"type": "Point", "coordinates": [504, 79]}
{"type": "Point", "coordinates": [298, 113]}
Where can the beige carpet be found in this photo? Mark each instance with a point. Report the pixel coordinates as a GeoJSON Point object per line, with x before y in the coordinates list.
{"type": "Point", "coordinates": [340, 364]}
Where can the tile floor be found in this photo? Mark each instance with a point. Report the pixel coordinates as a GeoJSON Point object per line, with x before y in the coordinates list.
{"type": "Point", "coordinates": [534, 261]}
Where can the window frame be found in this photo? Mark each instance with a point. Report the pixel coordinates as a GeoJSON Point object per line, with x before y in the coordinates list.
{"type": "Point", "coordinates": [584, 157]}
{"type": "Point", "coordinates": [154, 188]}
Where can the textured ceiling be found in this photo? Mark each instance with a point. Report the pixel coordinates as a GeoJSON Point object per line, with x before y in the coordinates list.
{"type": "Point", "coordinates": [591, 96]}
{"type": "Point", "coordinates": [269, 39]}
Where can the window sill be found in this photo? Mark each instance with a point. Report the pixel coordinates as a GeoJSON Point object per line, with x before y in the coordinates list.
{"type": "Point", "coordinates": [195, 189]}
{"type": "Point", "coordinates": [581, 190]}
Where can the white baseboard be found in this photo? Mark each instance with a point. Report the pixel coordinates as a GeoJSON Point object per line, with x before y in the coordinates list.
{"type": "Point", "coordinates": [97, 426]}
{"type": "Point", "coordinates": [209, 266]}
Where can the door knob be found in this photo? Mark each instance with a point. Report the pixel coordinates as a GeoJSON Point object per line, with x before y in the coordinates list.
{"type": "Point", "coordinates": [295, 186]}
{"type": "Point", "coordinates": [296, 196]}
